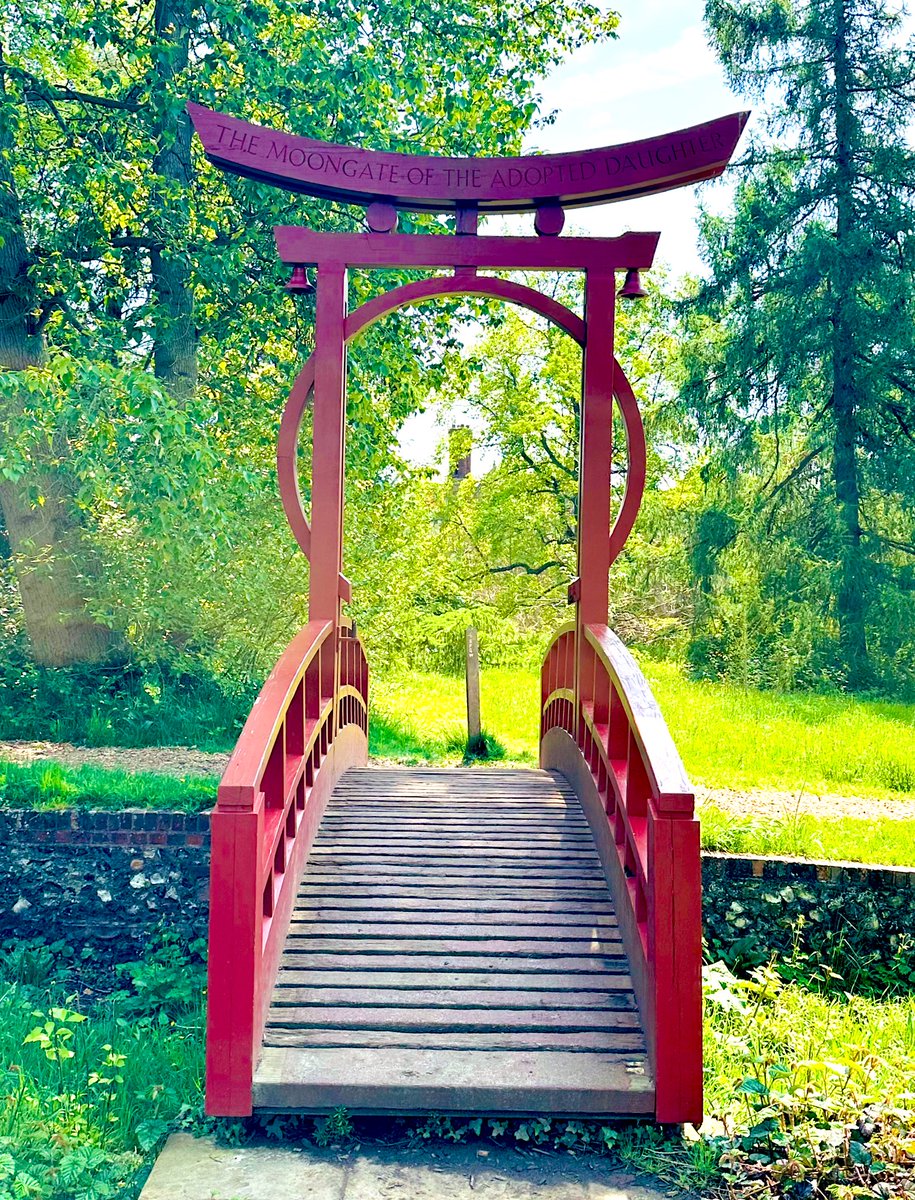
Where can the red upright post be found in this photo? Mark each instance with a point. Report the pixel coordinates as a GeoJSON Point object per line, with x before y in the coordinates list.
{"type": "Point", "coordinates": [593, 592]}
{"type": "Point", "coordinates": [328, 446]}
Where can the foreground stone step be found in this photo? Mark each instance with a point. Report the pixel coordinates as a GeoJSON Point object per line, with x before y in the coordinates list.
{"type": "Point", "coordinates": [197, 1169]}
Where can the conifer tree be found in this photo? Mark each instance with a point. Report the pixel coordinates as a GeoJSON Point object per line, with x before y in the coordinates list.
{"type": "Point", "coordinates": [801, 356]}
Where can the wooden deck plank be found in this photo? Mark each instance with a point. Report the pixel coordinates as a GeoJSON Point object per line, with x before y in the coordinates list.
{"type": "Point", "coordinates": [525, 999]}
{"type": "Point", "coordinates": [308, 894]}
{"type": "Point", "coordinates": [510, 906]}
{"type": "Point", "coordinates": [454, 947]}
{"type": "Point", "coordinates": [306, 958]}
{"type": "Point", "coordinates": [470, 919]}
{"type": "Point", "coordinates": [448, 932]}
{"type": "Point", "coordinates": [483, 1019]}
{"type": "Point", "coordinates": [609, 1041]}
{"type": "Point", "coordinates": [517, 947]}
{"type": "Point", "coordinates": [316, 1080]}
{"type": "Point", "coordinates": [481, 981]}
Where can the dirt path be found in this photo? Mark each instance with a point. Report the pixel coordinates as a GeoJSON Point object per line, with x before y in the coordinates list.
{"type": "Point", "coordinates": [165, 760]}
{"type": "Point", "coordinates": [776, 806]}
{"type": "Point", "coordinates": [184, 760]}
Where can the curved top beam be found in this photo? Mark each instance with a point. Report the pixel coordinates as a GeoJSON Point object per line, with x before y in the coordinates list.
{"type": "Point", "coordinates": [359, 176]}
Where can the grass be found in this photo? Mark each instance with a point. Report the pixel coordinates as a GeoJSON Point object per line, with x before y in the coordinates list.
{"type": "Point", "coordinates": [90, 1086]}
{"type": "Point", "coordinates": [889, 842]}
{"type": "Point", "coordinates": [733, 738]}
{"type": "Point", "coordinates": [729, 738]}
{"type": "Point", "coordinates": [422, 718]}
{"type": "Point", "coordinates": [49, 785]}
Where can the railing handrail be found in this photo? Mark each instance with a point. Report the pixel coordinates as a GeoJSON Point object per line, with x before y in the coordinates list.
{"type": "Point", "coordinates": [243, 776]}
{"type": "Point", "coordinates": [602, 727]}
{"type": "Point", "coordinates": [666, 772]}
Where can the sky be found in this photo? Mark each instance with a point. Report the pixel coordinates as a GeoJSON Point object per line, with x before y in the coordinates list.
{"type": "Point", "coordinates": [658, 76]}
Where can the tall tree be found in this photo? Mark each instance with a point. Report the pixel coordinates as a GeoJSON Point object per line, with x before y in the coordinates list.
{"type": "Point", "coordinates": [124, 256]}
{"type": "Point", "coordinates": [44, 537]}
{"type": "Point", "coordinates": [803, 338]}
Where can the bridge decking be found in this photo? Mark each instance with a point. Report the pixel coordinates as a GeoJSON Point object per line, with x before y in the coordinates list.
{"type": "Point", "coordinates": [454, 948]}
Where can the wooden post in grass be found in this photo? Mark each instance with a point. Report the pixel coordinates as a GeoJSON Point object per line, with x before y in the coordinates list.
{"type": "Point", "coordinates": [472, 676]}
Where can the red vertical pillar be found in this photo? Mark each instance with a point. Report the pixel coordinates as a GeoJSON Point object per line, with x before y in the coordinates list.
{"type": "Point", "coordinates": [328, 446]}
{"type": "Point", "coordinates": [596, 448]}
{"type": "Point", "coordinates": [594, 476]}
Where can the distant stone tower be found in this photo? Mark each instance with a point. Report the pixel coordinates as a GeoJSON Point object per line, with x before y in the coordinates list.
{"type": "Point", "coordinates": [460, 452]}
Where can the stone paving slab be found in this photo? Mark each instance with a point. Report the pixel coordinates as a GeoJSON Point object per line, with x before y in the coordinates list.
{"type": "Point", "coordinates": [197, 1169]}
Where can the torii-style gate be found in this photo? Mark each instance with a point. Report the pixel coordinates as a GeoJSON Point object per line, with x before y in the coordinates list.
{"type": "Point", "coordinates": [461, 941]}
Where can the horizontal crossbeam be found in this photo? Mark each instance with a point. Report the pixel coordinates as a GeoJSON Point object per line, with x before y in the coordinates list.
{"type": "Point", "coordinates": [296, 244]}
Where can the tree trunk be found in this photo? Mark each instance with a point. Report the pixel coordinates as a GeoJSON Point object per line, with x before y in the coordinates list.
{"type": "Point", "coordinates": [175, 336]}
{"type": "Point", "coordinates": [44, 539]}
{"type": "Point", "coordinates": [852, 593]}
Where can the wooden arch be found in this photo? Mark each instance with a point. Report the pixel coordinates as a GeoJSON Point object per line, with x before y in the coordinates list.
{"type": "Point", "coordinates": [419, 292]}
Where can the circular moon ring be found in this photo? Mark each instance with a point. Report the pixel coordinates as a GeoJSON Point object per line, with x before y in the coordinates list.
{"type": "Point", "coordinates": [429, 289]}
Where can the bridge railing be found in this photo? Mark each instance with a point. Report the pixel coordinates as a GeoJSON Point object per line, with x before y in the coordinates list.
{"type": "Point", "coordinates": [626, 769]}
{"type": "Point", "coordinates": [309, 723]}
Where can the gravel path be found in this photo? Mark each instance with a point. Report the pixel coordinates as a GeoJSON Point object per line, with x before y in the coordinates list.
{"type": "Point", "coordinates": [166, 760]}
{"type": "Point", "coordinates": [184, 760]}
{"type": "Point", "coordinates": [778, 805]}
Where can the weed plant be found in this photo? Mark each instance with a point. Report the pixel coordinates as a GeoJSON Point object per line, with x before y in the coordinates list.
{"type": "Point", "coordinates": [92, 1084]}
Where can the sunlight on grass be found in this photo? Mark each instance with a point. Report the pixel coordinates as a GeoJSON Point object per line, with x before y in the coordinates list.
{"type": "Point", "coordinates": [48, 785]}
{"type": "Point", "coordinates": [728, 737]}
{"type": "Point", "coordinates": [889, 843]}
{"type": "Point", "coordinates": [750, 739]}
{"type": "Point", "coordinates": [423, 717]}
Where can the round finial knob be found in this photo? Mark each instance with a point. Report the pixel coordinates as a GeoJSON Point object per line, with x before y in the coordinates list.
{"type": "Point", "coordinates": [549, 220]}
{"type": "Point", "coordinates": [381, 218]}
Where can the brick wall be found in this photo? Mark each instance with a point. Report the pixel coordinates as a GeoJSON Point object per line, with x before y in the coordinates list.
{"type": "Point", "coordinates": [108, 879]}
{"type": "Point", "coordinates": [103, 878]}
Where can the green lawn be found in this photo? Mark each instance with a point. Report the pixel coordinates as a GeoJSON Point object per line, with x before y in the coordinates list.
{"type": "Point", "coordinates": [728, 738]}
{"type": "Point", "coordinates": [48, 785]}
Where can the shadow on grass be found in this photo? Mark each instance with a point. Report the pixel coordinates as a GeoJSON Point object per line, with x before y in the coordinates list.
{"type": "Point", "coordinates": [482, 748]}
{"type": "Point", "coordinates": [395, 740]}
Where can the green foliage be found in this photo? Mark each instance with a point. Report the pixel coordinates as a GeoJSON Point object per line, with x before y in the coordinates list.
{"type": "Point", "coordinates": [91, 1086]}
{"type": "Point", "coordinates": [135, 253]}
{"type": "Point", "coordinates": [170, 981]}
{"type": "Point", "coordinates": [498, 551]}
{"type": "Point", "coordinates": [46, 785]}
{"type": "Point", "coordinates": [811, 1096]}
{"type": "Point", "coordinates": [834, 937]}
{"type": "Point", "coordinates": [798, 362]}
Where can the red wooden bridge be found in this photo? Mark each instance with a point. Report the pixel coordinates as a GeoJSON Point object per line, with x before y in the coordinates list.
{"type": "Point", "coordinates": [464, 941]}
